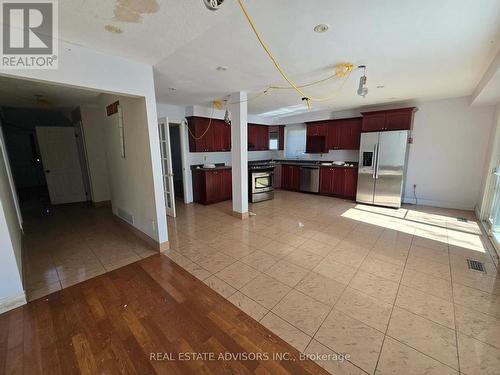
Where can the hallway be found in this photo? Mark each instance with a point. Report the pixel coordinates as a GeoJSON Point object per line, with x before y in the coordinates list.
{"type": "Point", "coordinates": [73, 243]}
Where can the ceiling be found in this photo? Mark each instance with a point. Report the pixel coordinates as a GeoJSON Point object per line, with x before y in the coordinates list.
{"type": "Point", "coordinates": [415, 49]}
{"type": "Point", "coordinates": [31, 94]}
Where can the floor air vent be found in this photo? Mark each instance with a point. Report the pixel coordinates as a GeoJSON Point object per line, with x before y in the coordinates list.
{"type": "Point", "coordinates": [476, 265]}
{"type": "Point", "coordinates": [462, 219]}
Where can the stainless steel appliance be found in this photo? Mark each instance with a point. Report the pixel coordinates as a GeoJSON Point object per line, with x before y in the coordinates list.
{"type": "Point", "coordinates": [261, 182]}
{"type": "Point", "coordinates": [309, 179]}
{"type": "Point", "coordinates": [382, 167]}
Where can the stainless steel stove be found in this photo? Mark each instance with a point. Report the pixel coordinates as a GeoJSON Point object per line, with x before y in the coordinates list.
{"type": "Point", "coordinates": [261, 181]}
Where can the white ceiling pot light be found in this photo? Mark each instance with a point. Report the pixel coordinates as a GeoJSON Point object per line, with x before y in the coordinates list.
{"type": "Point", "coordinates": [213, 4]}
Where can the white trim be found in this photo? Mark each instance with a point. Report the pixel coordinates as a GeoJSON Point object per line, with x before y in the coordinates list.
{"type": "Point", "coordinates": [489, 187]}
{"type": "Point", "coordinates": [3, 149]}
{"type": "Point", "coordinates": [184, 157]}
{"type": "Point", "coordinates": [432, 203]}
{"type": "Point", "coordinates": [9, 303]}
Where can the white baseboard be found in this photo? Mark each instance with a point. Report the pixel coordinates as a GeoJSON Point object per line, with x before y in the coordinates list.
{"type": "Point", "coordinates": [432, 203]}
{"type": "Point", "coordinates": [10, 303]}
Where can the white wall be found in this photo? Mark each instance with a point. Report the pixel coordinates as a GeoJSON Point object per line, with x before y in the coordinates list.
{"type": "Point", "coordinates": [448, 153]}
{"type": "Point", "coordinates": [93, 121]}
{"type": "Point", "coordinates": [129, 178]}
{"type": "Point", "coordinates": [174, 113]}
{"type": "Point", "coordinates": [85, 68]}
{"type": "Point", "coordinates": [447, 157]}
{"type": "Point", "coordinates": [11, 287]}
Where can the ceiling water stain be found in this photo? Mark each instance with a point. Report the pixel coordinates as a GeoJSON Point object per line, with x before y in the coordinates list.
{"type": "Point", "coordinates": [113, 29]}
{"type": "Point", "coordinates": [133, 10]}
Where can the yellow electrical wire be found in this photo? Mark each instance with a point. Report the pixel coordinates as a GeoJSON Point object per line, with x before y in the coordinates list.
{"type": "Point", "coordinates": [208, 127]}
{"type": "Point", "coordinates": [283, 74]}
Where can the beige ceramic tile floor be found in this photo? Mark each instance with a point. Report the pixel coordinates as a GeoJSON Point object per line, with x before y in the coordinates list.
{"type": "Point", "coordinates": [74, 243]}
{"type": "Point", "coordinates": [391, 288]}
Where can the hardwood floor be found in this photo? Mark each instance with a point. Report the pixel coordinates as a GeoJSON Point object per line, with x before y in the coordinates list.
{"type": "Point", "coordinates": [112, 323]}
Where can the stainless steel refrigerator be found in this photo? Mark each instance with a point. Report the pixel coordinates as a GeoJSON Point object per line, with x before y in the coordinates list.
{"type": "Point", "coordinates": [382, 168]}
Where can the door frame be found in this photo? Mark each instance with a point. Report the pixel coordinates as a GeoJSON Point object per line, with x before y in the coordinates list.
{"type": "Point", "coordinates": [163, 121]}
{"type": "Point", "coordinates": [183, 139]}
{"type": "Point", "coordinates": [484, 210]}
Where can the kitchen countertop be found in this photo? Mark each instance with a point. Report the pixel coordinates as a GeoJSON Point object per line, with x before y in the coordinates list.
{"type": "Point", "coordinates": [218, 167]}
{"type": "Point", "coordinates": [314, 163]}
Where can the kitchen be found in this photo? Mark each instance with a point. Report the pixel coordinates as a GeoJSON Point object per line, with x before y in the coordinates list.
{"type": "Point", "coordinates": [318, 175]}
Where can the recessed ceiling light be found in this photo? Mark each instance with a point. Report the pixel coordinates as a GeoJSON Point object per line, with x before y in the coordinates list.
{"type": "Point", "coordinates": [321, 28]}
{"type": "Point", "coordinates": [380, 86]}
{"type": "Point", "coordinates": [222, 68]}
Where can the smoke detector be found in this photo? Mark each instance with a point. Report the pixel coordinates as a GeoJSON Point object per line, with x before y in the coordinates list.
{"type": "Point", "coordinates": [213, 4]}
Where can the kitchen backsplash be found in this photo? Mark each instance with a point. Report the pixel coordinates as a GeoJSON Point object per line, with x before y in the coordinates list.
{"type": "Point", "coordinates": [338, 155]}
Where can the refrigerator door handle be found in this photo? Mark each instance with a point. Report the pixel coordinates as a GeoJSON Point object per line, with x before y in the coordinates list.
{"type": "Point", "coordinates": [376, 159]}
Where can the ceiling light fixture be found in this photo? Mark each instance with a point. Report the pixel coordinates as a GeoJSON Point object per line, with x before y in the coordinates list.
{"type": "Point", "coordinates": [321, 28]}
{"type": "Point", "coordinates": [213, 4]}
{"type": "Point", "coordinates": [227, 119]}
{"type": "Point", "coordinates": [362, 89]}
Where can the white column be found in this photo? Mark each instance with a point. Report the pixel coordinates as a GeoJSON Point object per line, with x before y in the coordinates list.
{"type": "Point", "coordinates": [239, 153]}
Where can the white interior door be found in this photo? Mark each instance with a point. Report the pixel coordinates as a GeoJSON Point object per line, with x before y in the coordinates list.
{"type": "Point", "coordinates": [166, 166]}
{"type": "Point", "coordinates": [61, 164]}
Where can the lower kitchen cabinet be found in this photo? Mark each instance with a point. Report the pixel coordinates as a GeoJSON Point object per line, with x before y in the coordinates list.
{"type": "Point", "coordinates": [290, 177]}
{"type": "Point", "coordinates": [210, 186]}
{"type": "Point", "coordinates": [338, 182]}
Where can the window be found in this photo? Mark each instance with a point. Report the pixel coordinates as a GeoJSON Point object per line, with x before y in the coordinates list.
{"type": "Point", "coordinates": [273, 140]}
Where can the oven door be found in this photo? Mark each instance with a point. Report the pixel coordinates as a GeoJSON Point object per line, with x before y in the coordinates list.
{"type": "Point", "coordinates": [262, 181]}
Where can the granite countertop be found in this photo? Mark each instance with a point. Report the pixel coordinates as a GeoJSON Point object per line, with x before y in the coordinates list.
{"type": "Point", "coordinates": [316, 163]}
{"type": "Point", "coordinates": [218, 167]}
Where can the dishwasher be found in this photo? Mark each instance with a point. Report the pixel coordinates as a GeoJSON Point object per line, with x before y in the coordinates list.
{"type": "Point", "coordinates": [309, 179]}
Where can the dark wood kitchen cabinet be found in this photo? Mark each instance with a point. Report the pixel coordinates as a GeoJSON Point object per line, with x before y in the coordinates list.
{"type": "Point", "coordinates": [258, 137]}
{"type": "Point", "coordinates": [344, 134]}
{"type": "Point", "coordinates": [316, 137]}
{"type": "Point", "coordinates": [290, 177]}
{"type": "Point", "coordinates": [341, 134]}
{"type": "Point", "coordinates": [338, 182]}
{"type": "Point", "coordinates": [394, 119]}
{"type": "Point", "coordinates": [316, 129]}
{"type": "Point", "coordinates": [209, 136]}
{"type": "Point", "coordinates": [210, 186]}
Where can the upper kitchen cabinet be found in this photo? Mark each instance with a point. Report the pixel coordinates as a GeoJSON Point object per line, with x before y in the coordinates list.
{"type": "Point", "coordinates": [316, 137]}
{"type": "Point", "coordinates": [316, 129]}
{"type": "Point", "coordinates": [258, 137]}
{"type": "Point", "coordinates": [394, 119]}
{"type": "Point", "coordinates": [208, 136]}
{"type": "Point", "coordinates": [344, 134]}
